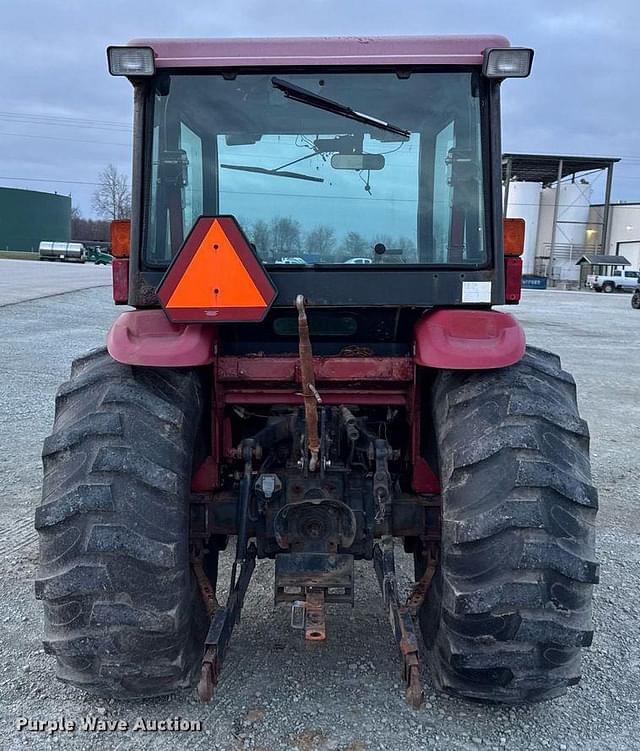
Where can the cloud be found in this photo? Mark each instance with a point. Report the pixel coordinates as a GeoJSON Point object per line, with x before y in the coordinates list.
{"type": "Point", "coordinates": [581, 98]}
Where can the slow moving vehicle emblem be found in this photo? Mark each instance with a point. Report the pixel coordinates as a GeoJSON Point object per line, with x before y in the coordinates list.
{"type": "Point", "coordinates": [216, 276]}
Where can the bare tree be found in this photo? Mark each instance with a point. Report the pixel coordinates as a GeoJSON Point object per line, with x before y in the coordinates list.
{"type": "Point", "coordinates": [354, 245]}
{"type": "Point", "coordinates": [321, 241]}
{"type": "Point", "coordinates": [285, 235]}
{"type": "Point", "coordinates": [260, 236]}
{"type": "Point", "coordinates": [112, 197]}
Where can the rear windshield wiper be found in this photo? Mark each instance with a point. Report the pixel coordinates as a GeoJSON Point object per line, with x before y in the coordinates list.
{"type": "Point", "coordinates": [265, 171]}
{"type": "Point", "coordinates": [298, 94]}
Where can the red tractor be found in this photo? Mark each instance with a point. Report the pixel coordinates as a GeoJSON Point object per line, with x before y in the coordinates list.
{"type": "Point", "coordinates": [312, 367]}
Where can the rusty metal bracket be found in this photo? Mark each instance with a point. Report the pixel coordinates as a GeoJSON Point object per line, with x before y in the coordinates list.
{"type": "Point", "coordinates": [221, 627]}
{"type": "Point", "coordinates": [299, 573]}
{"type": "Point", "coordinates": [382, 481]}
{"type": "Point", "coordinates": [420, 588]}
{"type": "Point", "coordinates": [309, 392]}
{"type": "Point", "coordinates": [208, 675]}
{"type": "Point", "coordinates": [401, 620]}
{"type": "Point", "coordinates": [207, 590]}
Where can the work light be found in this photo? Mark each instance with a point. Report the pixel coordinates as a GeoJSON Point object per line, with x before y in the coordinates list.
{"type": "Point", "coordinates": [508, 62]}
{"type": "Point", "coordinates": [131, 61]}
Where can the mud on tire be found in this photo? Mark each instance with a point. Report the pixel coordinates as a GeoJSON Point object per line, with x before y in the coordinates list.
{"type": "Point", "coordinates": [510, 607]}
{"type": "Point", "coordinates": [120, 609]}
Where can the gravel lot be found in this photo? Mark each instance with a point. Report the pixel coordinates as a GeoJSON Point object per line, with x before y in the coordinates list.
{"type": "Point", "coordinates": [21, 281]}
{"type": "Point", "coordinates": [278, 692]}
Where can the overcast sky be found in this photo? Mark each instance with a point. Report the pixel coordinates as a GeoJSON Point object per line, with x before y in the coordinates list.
{"type": "Point", "coordinates": [582, 98]}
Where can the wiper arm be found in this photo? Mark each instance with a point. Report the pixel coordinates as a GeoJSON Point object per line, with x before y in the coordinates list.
{"type": "Point", "coordinates": [277, 173]}
{"type": "Point", "coordinates": [304, 96]}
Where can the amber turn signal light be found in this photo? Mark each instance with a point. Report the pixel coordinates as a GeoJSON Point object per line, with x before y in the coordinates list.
{"type": "Point", "coordinates": [120, 237]}
{"type": "Point", "coordinates": [513, 237]}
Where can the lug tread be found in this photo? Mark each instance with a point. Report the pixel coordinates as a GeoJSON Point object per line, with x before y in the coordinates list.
{"type": "Point", "coordinates": [82, 499]}
{"type": "Point", "coordinates": [107, 614]}
{"type": "Point", "coordinates": [116, 538]}
{"type": "Point", "coordinates": [79, 579]}
{"type": "Point", "coordinates": [122, 460]}
{"type": "Point", "coordinates": [100, 424]}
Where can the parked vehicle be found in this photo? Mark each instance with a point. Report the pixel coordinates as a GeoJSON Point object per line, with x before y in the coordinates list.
{"type": "Point", "coordinates": [359, 260]}
{"type": "Point", "coordinates": [293, 259]}
{"type": "Point", "coordinates": [98, 256]}
{"type": "Point", "coordinates": [57, 251]}
{"type": "Point", "coordinates": [621, 279]}
{"type": "Point", "coordinates": [423, 416]}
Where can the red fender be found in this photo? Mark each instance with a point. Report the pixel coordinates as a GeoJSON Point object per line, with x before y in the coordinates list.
{"type": "Point", "coordinates": [147, 337]}
{"type": "Point", "coordinates": [462, 339]}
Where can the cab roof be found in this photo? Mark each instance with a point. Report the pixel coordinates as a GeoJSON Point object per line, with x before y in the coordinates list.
{"type": "Point", "coordinates": [305, 51]}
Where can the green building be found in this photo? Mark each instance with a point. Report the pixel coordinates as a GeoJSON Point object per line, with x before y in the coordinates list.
{"type": "Point", "coordinates": [27, 217]}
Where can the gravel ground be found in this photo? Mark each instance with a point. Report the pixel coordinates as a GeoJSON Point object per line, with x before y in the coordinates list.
{"type": "Point", "coordinates": [278, 692]}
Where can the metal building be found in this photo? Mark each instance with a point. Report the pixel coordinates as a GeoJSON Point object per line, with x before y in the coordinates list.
{"type": "Point", "coordinates": [623, 237]}
{"type": "Point", "coordinates": [553, 194]}
{"type": "Point", "coordinates": [29, 216]}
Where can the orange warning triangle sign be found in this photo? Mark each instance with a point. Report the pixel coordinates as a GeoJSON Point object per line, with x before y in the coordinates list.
{"type": "Point", "coordinates": [216, 276]}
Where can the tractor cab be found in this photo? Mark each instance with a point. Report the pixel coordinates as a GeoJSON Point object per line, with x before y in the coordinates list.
{"type": "Point", "coordinates": [364, 173]}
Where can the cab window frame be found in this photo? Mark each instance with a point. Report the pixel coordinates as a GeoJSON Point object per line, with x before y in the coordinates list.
{"type": "Point", "coordinates": [485, 93]}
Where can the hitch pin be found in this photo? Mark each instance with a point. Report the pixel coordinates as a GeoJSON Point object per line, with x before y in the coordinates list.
{"type": "Point", "coordinates": [315, 393]}
{"type": "Point", "coordinates": [298, 614]}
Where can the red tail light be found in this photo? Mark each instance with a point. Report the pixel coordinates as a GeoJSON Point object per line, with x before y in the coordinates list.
{"type": "Point", "coordinates": [513, 243]}
{"type": "Point", "coordinates": [512, 280]}
{"type": "Point", "coordinates": [120, 275]}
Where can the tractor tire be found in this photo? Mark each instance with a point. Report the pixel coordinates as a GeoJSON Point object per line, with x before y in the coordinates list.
{"type": "Point", "coordinates": [635, 300]}
{"type": "Point", "coordinates": [121, 611]}
{"type": "Point", "coordinates": [510, 605]}
{"type": "Point", "coordinates": [608, 287]}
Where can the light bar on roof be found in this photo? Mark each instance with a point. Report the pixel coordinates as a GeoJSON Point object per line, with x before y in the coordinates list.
{"type": "Point", "coordinates": [507, 62]}
{"type": "Point", "coordinates": [131, 61]}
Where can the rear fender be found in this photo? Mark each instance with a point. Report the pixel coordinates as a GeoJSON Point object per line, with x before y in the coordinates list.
{"type": "Point", "coordinates": [463, 339]}
{"type": "Point", "coordinates": [147, 337]}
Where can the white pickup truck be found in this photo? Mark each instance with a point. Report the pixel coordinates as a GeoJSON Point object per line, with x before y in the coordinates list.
{"type": "Point", "coordinates": [626, 279]}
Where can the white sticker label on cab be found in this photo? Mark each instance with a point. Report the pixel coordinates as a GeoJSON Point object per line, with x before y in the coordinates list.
{"type": "Point", "coordinates": [476, 291]}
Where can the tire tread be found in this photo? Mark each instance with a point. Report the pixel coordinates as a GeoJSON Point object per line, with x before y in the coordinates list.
{"type": "Point", "coordinates": [121, 612]}
{"type": "Point", "coordinates": [510, 606]}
